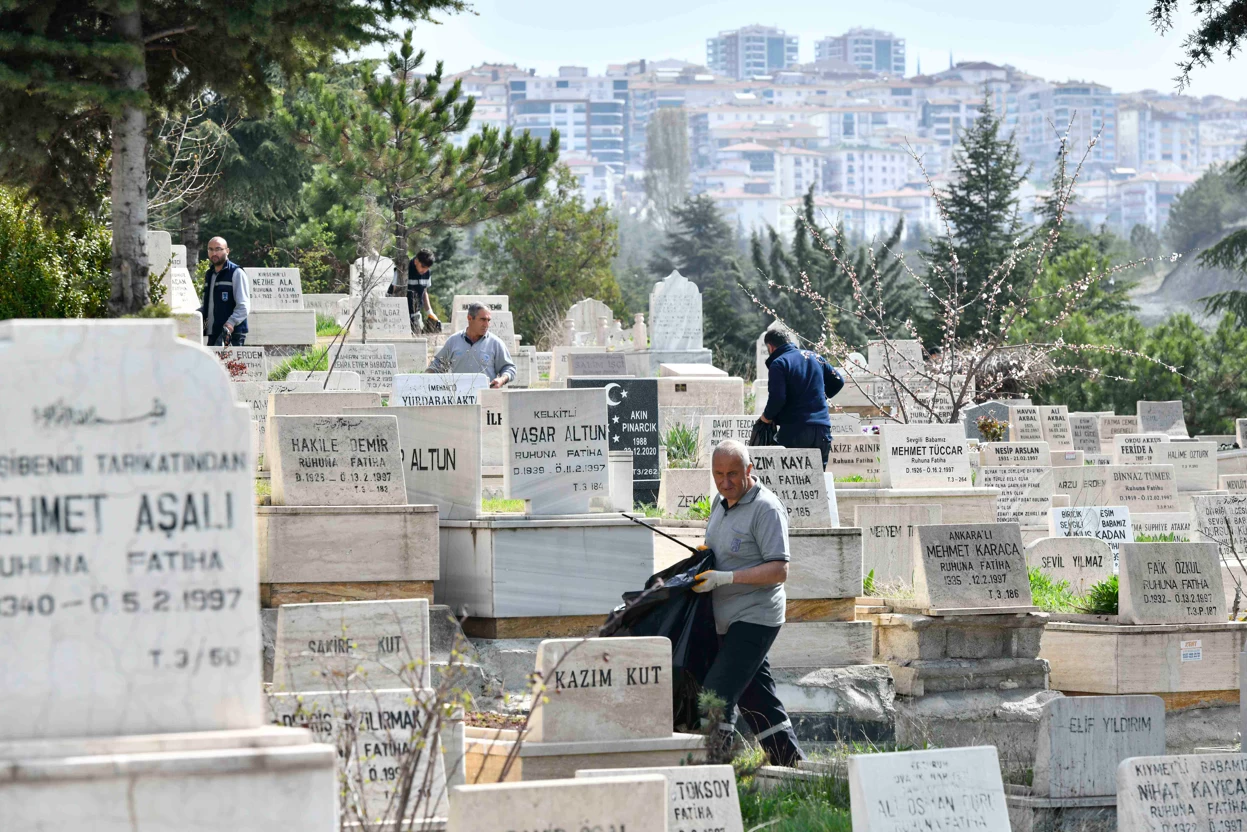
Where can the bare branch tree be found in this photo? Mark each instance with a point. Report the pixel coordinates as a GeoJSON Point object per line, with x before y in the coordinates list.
{"type": "Point", "coordinates": [188, 150]}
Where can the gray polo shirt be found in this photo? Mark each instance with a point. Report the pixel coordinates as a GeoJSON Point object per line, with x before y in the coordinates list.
{"type": "Point", "coordinates": [750, 533]}
{"type": "Point", "coordinates": [488, 355]}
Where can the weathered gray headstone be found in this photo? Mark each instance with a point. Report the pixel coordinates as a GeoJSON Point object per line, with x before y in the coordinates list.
{"type": "Point", "coordinates": [675, 319]}
{"type": "Point", "coordinates": [437, 389]}
{"type": "Point", "coordinates": [971, 568]}
{"type": "Point", "coordinates": [1110, 426]}
{"type": "Point", "coordinates": [889, 535]}
{"type": "Point", "coordinates": [1170, 583]}
{"type": "Point", "coordinates": [924, 456]}
{"type": "Point", "coordinates": [376, 364]}
{"type": "Point", "coordinates": [1194, 464]}
{"type": "Point", "coordinates": [699, 797]}
{"type": "Point", "coordinates": [1025, 493]}
{"type": "Point", "coordinates": [948, 788]}
{"type": "Point", "coordinates": [1162, 417]}
{"type": "Point", "coordinates": [1085, 432]}
{"type": "Point", "coordinates": [602, 689]}
{"type": "Point", "coordinates": [597, 364]}
{"type": "Point", "coordinates": [796, 476]}
{"type": "Point", "coordinates": [1012, 454]}
{"type": "Point", "coordinates": [556, 449]}
{"type": "Point", "coordinates": [1148, 488]}
{"type": "Point", "coordinates": [637, 802]}
{"type": "Point", "coordinates": [715, 429]}
{"type": "Point", "coordinates": [384, 319]}
{"type": "Point", "coordinates": [495, 303]}
{"type": "Point", "coordinates": [1085, 485]}
{"type": "Point", "coordinates": [1082, 740]}
{"type": "Point", "coordinates": [1056, 427]}
{"type": "Point", "coordinates": [1082, 561]}
{"type": "Point", "coordinates": [899, 358]}
{"type": "Point", "coordinates": [337, 461]}
{"type": "Point", "coordinates": [1177, 792]}
{"type": "Point", "coordinates": [997, 410]}
{"type": "Point", "coordinates": [126, 535]}
{"type": "Point", "coordinates": [845, 424]}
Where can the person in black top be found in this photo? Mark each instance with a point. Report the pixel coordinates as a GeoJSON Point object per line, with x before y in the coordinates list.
{"type": "Point", "coordinates": [419, 278]}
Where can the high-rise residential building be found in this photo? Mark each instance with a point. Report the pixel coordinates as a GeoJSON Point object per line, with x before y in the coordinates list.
{"type": "Point", "coordinates": [868, 49]}
{"type": "Point", "coordinates": [1082, 111]}
{"type": "Point", "coordinates": [751, 50]}
{"type": "Point", "coordinates": [591, 112]}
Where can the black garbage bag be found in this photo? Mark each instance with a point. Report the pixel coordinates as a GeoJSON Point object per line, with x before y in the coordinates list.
{"type": "Point", "coordinates": [763, 435]}
{"type": "Point", "coordinates": [669, 607]}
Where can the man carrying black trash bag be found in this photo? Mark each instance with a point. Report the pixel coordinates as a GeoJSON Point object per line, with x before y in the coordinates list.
{"type": "Point", "coordinates": [799, 383]}
{"type": "Point", "coordinates": [748, 533]}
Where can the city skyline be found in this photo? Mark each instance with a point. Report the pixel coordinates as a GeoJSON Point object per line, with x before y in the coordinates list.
{"type": "Point", "coordinates": [1111, 44]}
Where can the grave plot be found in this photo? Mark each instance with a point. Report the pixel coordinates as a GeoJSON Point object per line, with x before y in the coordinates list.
{"type": "Point", "coordinates": [632, 425]}
{"type": "Point", "coordinates": [675, 324]}
{"type": "Point", "coordinates": [304, 403]}
{"type": "Point", "coordinates": [1193, 788]}
{"type": "Point", "coordinates": [278, 316]}
{"type": "Point", "coordinates": [598, 704]}
{"type": "Point", "coordinates": [946, 788]}
{"type": "Point", "coordinates": [698, 797]}
{"type": "Point", "coordinates": [129, 640]}
{"type": "Point", "coordinates": [637, 801]}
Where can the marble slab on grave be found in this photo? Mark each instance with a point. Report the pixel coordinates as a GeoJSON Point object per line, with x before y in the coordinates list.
{"type": "Point", "coordinates": [375, 363]}
{"type": "Point", "coordinates": [682, 488]}
{"type": "Point", "coordinates": [675, 317]}
{"type": "Point", "coordinates": [380, 319]}
{"type": "Point", "coordinates": [1085, 432]}
{"type": "Point", "coordinates": [1082, 561]}
{"type": "Point", "coordinates": [275, 288]}
{"type": "Point", "coordinates": [128, 444]}
{"type": "Point", "coordinates": [699, 798]}
{"type": "Point", "coordinates": [796, 476]}
{"type": "Point", "coordinates": [924, 456]}
{"type": "Point", "coordinates": [684, 370]}
{"type": "Point", "coordinates": [495, 303]}
{"type": "Point", "coordinates": [1025, 424]}
{"type": "Point", "coordinates": [1054, 420]}
{"type": "Point", "coordinates": [636, 802]}
{"type": "Point", "coordinates": [1110, 426]}
{"type": "Point", "coordinates": [357, 645]}
{"type": "Point", "coordinates": [970, 419]}
{"type": "Point", "coordinates": [1025, 493]}
{"type": "Point", "coordinates": [845, 424]}
{"type": "Point", "coordinates": [441, 456]}
{"type": "Point", "coordinates": [1083, 739]}
{"type": "Point", "coordinates": [1068, 459]}
{"type": "Point", "coordinates": [243, 363]}
{"type": "Point", "coordinates": [1194, 464]}
{"type": "Point", "coordinates": [1225, 441]}
{"type": "Point", "coordinates": [337, 461]}
{"type": "Point", "coordinates": [1012, 454]}
{"type": "Point", "coordinates": [1162, 417]}
{"type": "Point", "coordinates": [338, 380]}
{"type": "Point", "coordinates": [585, 316]}
{"type": "Point", "coordinates": [1112, 524]}
{"type": "Point", "coordinates": [1137, 448]}
{"type": "Point", "coordinates": [1085, 485]}
{"type": "Point", "coordinates": [437, 389]}
{"type": "Point", "coordinates": [381, 730]}
{"type": "Point", "coordinates": [1177, 523]}
{"type": "Point", "coordinates": [601, 689]}
{"type": "Point", "coordinates": [559, 368]}
{"type": "Point", "coordinates": [1148, 488]}
{"type": "Point", "coordinates": [968, 569]}
{"type": "Point", "coordinates": [1170, 583]}
{"type": "Point", "coordinates": [321, 403]}
{"type": "Point", "coordinates": [632, 411]}
{"type": "Point", "coordinates": [597, 364]}
{"type": "Point", "coordinates": [1098, 459]}
{"type": "Point", "coordinates": [889, 535]}
{"type": "Point", "coordinates": [948, 788]}
{"type": "Point", "coordinates": [1181, 791]}
{"type": "Point", "coordinates": [1222, 519]}
{"type": "Point", "coordinates": [1233, 483]}
{"type": "Point", "coordinates": [556, 446]}
{"type": "Point", "coordinates": [255, 395]}
{"type": "Point", "coordinates": [715, 429]}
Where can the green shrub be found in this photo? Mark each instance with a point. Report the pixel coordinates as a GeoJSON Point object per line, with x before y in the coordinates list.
{"type": "Point", "coordinates": [1168, 537]}
{"type": "Point", "coordinates": [1101, 598]}
{"type": "Point", "coordinates": [46, 273]}
{"type": "Point", "coordinates": [311, 360]}
{"type": "Point", "coordinates": [701, 509]}
{"type": "Point", "coordinates": [868, 583]}
{"type": "Point", "coordinates": [1049, 594]}
{"type": "Point", "coordinates": [681, 442]}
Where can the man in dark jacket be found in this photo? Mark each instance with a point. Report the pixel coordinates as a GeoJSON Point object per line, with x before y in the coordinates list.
{"type": "Point", "coordinates": [226, 298]}
{"type": "Point", "coordinates": [799, 383]}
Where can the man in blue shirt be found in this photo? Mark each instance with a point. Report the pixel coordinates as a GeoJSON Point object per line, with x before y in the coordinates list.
{"type": "Point", "coordinates": [799, 383]}
{"type": "Point", "coordinates": [476, 350]}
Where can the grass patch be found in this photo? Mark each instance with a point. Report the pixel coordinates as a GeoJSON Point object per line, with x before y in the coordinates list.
{"type": "Point", "coordinates": [681, 443]}
{"type": "Point", "coordinates": [311, 360]}
{"type": "Point", "coordinates": [701, 509]}
{"type": "Point", "coordinates": [1101, 598]}
{"type": "Point", "coordinates": [856, 478]}
{"type": "Point", "coordinates": [647, 510]}
{"type": "Point", "coordinates": [1169, 537]}
{"type": "Point", "coordinates": [263, 487]}
{"type": "Point", "coordinates": [327, 325]}
{"type": "Point", "coordinates": [497, 505]}
{"type": "Point", "coordinates": [1049, 594]}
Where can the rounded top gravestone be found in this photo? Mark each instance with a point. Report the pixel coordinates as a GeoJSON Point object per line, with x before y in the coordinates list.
{"type": "Point", "coordinates": [127, 535]}
{"type": "Point", "coordinates": [675, 315]}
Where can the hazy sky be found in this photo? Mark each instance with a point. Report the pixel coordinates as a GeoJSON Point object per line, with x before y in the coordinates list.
{"type": "Point", "coordinates": [1109, 41]}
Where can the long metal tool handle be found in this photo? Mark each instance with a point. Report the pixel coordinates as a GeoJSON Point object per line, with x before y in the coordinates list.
{"type": "Point", "coordinates": [636, 520]}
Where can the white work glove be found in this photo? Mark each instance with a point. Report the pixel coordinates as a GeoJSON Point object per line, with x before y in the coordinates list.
{"type": "Point", "coordinates": [711, 579]}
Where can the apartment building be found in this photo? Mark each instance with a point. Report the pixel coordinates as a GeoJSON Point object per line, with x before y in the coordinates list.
{"type": "Point", "coordinates": [1087, 111]}
{"type": "Point", "coordinates": [750, 51]}
{"type": "Point", "coordinates": [867, 169]}
{"type": "Point", "coordinates": [591, 113]}
{"type": "Point", "coordinates": [868, 49]}
{"type": "Point", "coordinates": [1145, 199]}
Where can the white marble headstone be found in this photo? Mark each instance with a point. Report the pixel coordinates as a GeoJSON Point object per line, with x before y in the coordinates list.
{"type": "Point", "coordinates": [377, 364]}
{"type": "Point", "coordinates": [889, 535]}
{"type": "Point", "coordinates": [1112, 524]}
{"type": "Point", "coordinates": [556, 449]}
{"type": "Point", "coordinates": [1162, 417]}
{"type": "Point", "coordinates": [699, 798]}
{"type": "Point", "coordinates": [796, 477]}
{"type": "Point", "coordinates": [1168, 793]}
{"type": "Point", "coordinates": [1170, 583]}
{"type": "Point", "coordinates": [1054, 420]}
{"type": "Point", "coordinates": [1080, 561]}
{"type": "Point", "coordinates": [437, 389]}
{"type": "Point", "coordinates": [243, 364]}
{"type": "Point", "coordinates": [1025, 493]}
{"type": "Point", "coordinates": [336, 461]}
{"type": "Point", "coordinates": [948, 788]}
{"type": "Point", "coordinates": [924, 456]}
{"type": "Point", "coordinates": [675, 319]}
{"type": "Point", "coordinates": [854, 458]}
{"type": "Point", "coordinates": [635, 802]}
{"type": "Point", "coordinates": [275, 288]}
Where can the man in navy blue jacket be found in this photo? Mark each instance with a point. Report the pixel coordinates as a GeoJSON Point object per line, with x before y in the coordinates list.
{"type": "Point", "coordinates": [226, 298]}
{"type": "Point", "coordinates": [799, 383]}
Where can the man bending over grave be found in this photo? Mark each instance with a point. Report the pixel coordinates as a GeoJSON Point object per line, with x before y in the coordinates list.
{"type": "Point", "coordinates": [475, 350]}
{"type": "Point", "coordinates": [226, 299]}
{"type": "Point", "coordinates": [748, 533]}
{"type": "Point", "coordinates": [799, 383]}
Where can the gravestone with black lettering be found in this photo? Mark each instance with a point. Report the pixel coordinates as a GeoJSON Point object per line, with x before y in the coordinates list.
{"type": "Point", "coordinates": [1112, 524]}
{"type": "Point", "coordinates": [1161, 524]}
{"type": "Point", "coordinates": [796, 477]}
{"type": "Point", "coordinates": [854, 459]}
{"type": "Point", "coordinates": [632, 413]}
{"type": "Point", "coordinates": [128, 598]}
{"type": "Point", "coordinates": [602, 689]}
{"type": "Point", "coordinates": [1081, 561]}
{"type": "Point", "coordinates": [715, 429]}
{"type": "Point", "coordinates": [1137, 448]}
{"type": "Point", "coordinates": [337, 461]}
{"type": "Point", "coordinates": [845, 424]}
{"type": "Point", "coordinates": [1233, 483]}
{"type": "Point", "coordinates": [1025, 424]}
{"type": "Point", "coordinates": [243, 363]}
{"type": "Point", "coordinates": [376, 363]}
{"type": "Point", "coordinates": [437, 389]}
{"type": "Point", "coordinates": [1148, 488]}
{"type": "Point", "coordinates": [1085, 432]}
{"type": "Point", "coordinates": [924, 456]}
{"type": "Point", "coordinates": [327, 403]}
{"type": "Point", "coordinates": [1013, 454]}
{"type": "Point", "coordinates": [1170, 583]}
{"type": "Point", "coordinates": [1054, 420]}
{"type": "Point", "coordinates": [965, 569]}
{"type": "Point", "coordinates": [948, 788]}
{"type": "Point", "coordinates": [1181, 792]}
{"type": "Point", "coordinates": [1194, 464]}
{"type": "Point", "coordinates": [1025, 493]}
{"type": "Point", "coordinates": [699, 798]}
{"type": "Point", "coordinates": [358, 645]}
{"type": "Point", "coordinates": [556, 446]}
{"type": "Point", "coordinates": [1082, 740]}
{"type": "Point", "coordinates": [1110, 426]}
{"type": "Point", "coordinates": [379, 318]}
{"type": "Point", "coordinates": [1085, 485]}
{"type": "Point", "coordinates": [888, 537]}
{"type": "Point", "coordinates": [1162, 417]}
{"type": "Point", "coordinates": [275, 288]}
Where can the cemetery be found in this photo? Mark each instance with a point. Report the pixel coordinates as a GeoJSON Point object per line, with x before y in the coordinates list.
{"type": "Point", "coordinates": [303, 583]}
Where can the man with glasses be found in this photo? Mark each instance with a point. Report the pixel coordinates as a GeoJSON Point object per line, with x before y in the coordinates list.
{"type": "Point", "coordinates": [226, 298]}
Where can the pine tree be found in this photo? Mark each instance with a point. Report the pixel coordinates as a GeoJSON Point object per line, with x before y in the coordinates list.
{"type": "Point", "coordinates": [77, 76]}
{"type": "Point", "coordinates": [982, 209]}
{"type": "Point", "coordinates": [394, 139]}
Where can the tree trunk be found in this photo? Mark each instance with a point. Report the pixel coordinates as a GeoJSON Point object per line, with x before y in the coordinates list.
{"type": "Point", "coordinates": [129, 185]}
{"type": "Point", "coordinates": [190, 236]}
{"type": "Point", "coordinates": [400, 242]}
